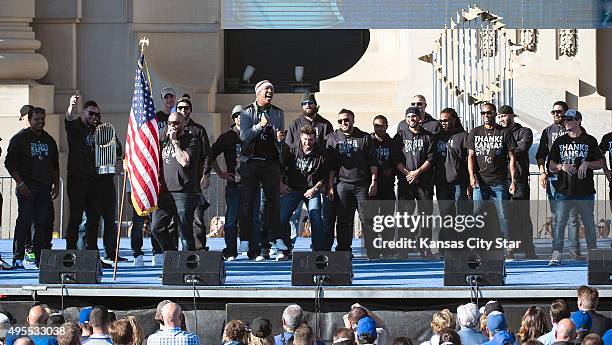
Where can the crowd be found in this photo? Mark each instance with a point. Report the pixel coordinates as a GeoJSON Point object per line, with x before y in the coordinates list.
{"type": "Point", "coordinates": [270, 172]}
{"type": "Point", "coordinates": [469, 326]}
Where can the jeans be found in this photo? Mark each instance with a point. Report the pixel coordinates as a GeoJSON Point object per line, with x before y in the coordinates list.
{"type": "Point", "coordinates": [573, 227]}
{"type": "Point", "coordinates": [84, 195]}
{"type": "Point", "coordinates": [413, 196]}
{"type": "Point", "coordinates": [199, 225]}
{"type": "Point", "coordinates": [183, 206]}
{"type": "Point", "coordinates": [328, 213]}
{"type": "Point", "coordinates": [108, 206]}
{"type": "Point", "coordinates": [498, 194]}
{"type": "Point", "coordinates": [583, 206]}
{"type": "Point", "coordinates": [256, 173]}
{"type": "Point", "coordinates": [294, 222]}
{"type": "Point", "coordinates": [351, 197]}
{"type": "Point", "coordinates": [452, 201]}
{"type": "Point", "coordinates": [522, 227]}
{"type": "Point", "coordinates": [290, 201]}
{"type": "Point", "coordinates": [136, 233]}
{"type": "Point", "coordinates": [232, 213]}
{"type": "Point", "coordinates": [32, 209]}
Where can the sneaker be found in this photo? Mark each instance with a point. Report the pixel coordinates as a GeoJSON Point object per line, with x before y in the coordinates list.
{"type": "Point", "coordinates": [230, 258]}
{"type": "Point", "coordinates": [260, 258]}
{"type": "Point", "coordinates": [139, 261]}
{"type": "Point", "coordinates": [281, 256]}
{"type": "Point", "coordinates": [279, 244]}
{"type": "Point", "coordinates": [244, 247]}
{"type": "Point", "coordinates": [106, 265]}
{"type": "Point", "coordinates": [4, 265]}
{"type": "Point", "coordinates": [158, 260]}
{"type": "Point", "coordinates": [17, 264]}
{"type": "Point", "coordinates": [30, 265]}
{"type": "Point", "coordinates": [576, 255]}
{"type": "Point", "coordinates": [555, 258]}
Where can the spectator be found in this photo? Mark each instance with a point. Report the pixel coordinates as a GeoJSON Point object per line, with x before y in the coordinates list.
{"type": "Point", "coordinates": [304, 335]}
{"type": "Point", "coordinates": [5, 324]}
{"type": "Point", "coordinates": [582, 320]}
{"type": "Point", "coordinates": [357, 313]}
{"type": "Point", "coordinates": [565, 333]}
{"type": "Point", "coordinates": [588, 299]}
{"type": "Point", "coordinates": [84, 323]}
{"type": "Point", "coordinates": [558, 311]}
{"type": "Point", "coordinates": [99, 320]}
{"type": "Point", "coordinates": [24, 341]}
{"type": "Point", "coordinates": [592, 339]}
{"type": "Point", "coordinates": [607, 337]}
{"type": "Point", "coordinates": [440, 321]}
{"type": "Point", "coordinates": [261, 332]}
{"type": "Point", "coordinates": [533, 324]}
{"type": "Point", "coordinates": [366, 331]}
{"type": "Point", "coordinates": [171, 332]}
{"type": "Point", "coordinates": [56, 320]}
{"type": "Point", "coordinates": [344, 336]}
{"type": "Point", "coordinates": [402, 341]}
{"type": "Point", "coordinates": [158, 311]}
{"type": "Point", "coordinates": [497, 329]}
{"type": "Point", "coordinates": [449, 336]}
{"type": "Point", "coordinates": [532, 342]}
{"type": "Point", "coordinates": [293, 317]}
{"type": "Point", "coordinates": [492, 306]}
{"type": "Point", "coordinates": [126, 331]}
{"type": "Point", "coordinates": [37, 317]}
{"type": "Point", "coordinates": [235, 333]}
{"type": "Point", "coordinates": [467, 317]}
{"type": "Point", "coordinates": [69, 334]}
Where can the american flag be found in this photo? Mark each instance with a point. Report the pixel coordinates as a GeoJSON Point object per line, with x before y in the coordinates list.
{"type": "Point", "coordinates": [142, 145]}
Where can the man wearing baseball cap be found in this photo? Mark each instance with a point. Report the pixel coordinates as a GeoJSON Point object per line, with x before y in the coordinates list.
{"type": "Point", "coordinates": [86, 329]}
{"type": "Point", "coordinates": [497, 329]}
{"type": "Point", "coordinates": [168, 96]}
{"type": "Point", "coordinates": [583, 323]}
{"type": "Point", "coordinates": [573, 157]}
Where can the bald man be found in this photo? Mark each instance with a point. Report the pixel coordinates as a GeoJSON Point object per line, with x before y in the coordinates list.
{"type": "Point", "coordinates": [565, 333]}
{"type": "Point", "coordinates": [37, 317]}
{"type": "Point", "coordinates": [171, 332]}
{"type": "Point", "coordinates": [24, 341]}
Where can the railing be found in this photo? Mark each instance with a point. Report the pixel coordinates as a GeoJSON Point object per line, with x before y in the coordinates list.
{"type": "Point", "coordinates": [215, 194]}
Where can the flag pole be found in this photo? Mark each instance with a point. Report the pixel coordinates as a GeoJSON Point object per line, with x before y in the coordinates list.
{"type": "Point", "coordinates": [144, 42]}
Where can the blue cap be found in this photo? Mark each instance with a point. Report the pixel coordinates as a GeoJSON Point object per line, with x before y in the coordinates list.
{"type": "Point", "coordinates": [501, 338]}
{"type": "Point", "coordinates": [607, 337]}
{"type": "Point", "coordinates": [84, 315]}
{"type": "Point", "coordinates": [366, 326]}
{"type": "Point", "coordinates": [582, 320]}
{"type": "Point", "coordinates": [496, 322]}
{"type": "Point", "coordinates": [573, 113]}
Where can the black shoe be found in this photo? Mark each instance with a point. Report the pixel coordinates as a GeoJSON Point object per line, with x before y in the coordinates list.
{"type": "Point", "coordinates": [531, 256]}
{"type": "Point", "coordinates": [105, 265]}
{"type": "Point", "coordinates": [112, 259]}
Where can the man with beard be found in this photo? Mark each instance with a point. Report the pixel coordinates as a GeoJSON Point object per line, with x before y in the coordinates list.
{"type": "Point", "coordinates": [32, 161]}
{"type": "Point", "coordinates": [429, 123]}
{"type": "Point", "coordinates": [306, 173]}
{"type": "Point", "coordinates": [83, 182]}
{"type": "Point", "coordinates": [520, 213]}
{"type": "Point", "coordinates": [414, 160]}
{"type": "Point", "coordinates": [573, 157]}
{"type": "Point", "coordinates": [180, 184]}
{"type": "Point", "coordinates": [450, 170]}
{"type": "Point", "coordinates": [352, 163]}
{"type": "Point", "coordinates": [548, 180]}
{"type": "Point", "coordinates": [261, 124]}
{"type": "Point", "coordinates": [322, 127]}
{"type": "Point", "coordinates": [184, 107]}
{"type": "Point", "coordinates": [490, 147]}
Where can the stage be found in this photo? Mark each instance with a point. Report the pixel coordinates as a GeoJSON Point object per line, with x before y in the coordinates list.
{"type": "Point", "coordinates": [381, 279]}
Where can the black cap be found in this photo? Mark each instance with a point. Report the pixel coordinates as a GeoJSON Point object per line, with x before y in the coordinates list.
{"type": "Point", "coordinates": [413, 110]}
{"type": "Point", "coordinates": [506, 109]}
{"type": "Point", "coordinates": [186, 100]}
{"type": "Point", "coordinates": [308, 96]}
{"type": "Point", "coordinates": [261, 328]}
{"type": "Point", "coordinates": [493, 306]}
{"type": "Point", "coordinates": [573, 113]}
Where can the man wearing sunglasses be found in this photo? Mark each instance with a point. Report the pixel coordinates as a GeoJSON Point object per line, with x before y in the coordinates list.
{"type": "Point", "coordinates": [491, 159]}
{"type": "Point", "coordinates": [352, 176]}
{"type": "Point", "coordinates": [429, 123]}
{"type": "Point", "coordinates": [573, 157]}
{"type": "Point", "coordinates": [548, 180]}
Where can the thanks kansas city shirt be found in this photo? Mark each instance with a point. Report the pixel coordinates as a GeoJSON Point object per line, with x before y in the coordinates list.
{"type": "Point", "coordinates": [575, 151]}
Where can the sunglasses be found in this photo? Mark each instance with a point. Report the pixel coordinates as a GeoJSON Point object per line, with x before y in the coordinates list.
{"type": "Point", "coordinates": [341, 121]}
{"type": "Point", "coordinates": [489, 112]}
{"type": "Point", "coordinates": [308, 103]}
{"type": "Point", "coordinates": [93, 113]}
{"type": "Point", "coordinates": [569, 119]}
{"type": "Point", "coordinates": [417, 104]}
{"type": "Point", "coordinates": [183, 107]}
{"type": "Point", "coordinates": [444, 120]}
{"type": "Point", "coordinates": [556, 112]}
{"type": "Point", "coordinates": [376, 125]}
{"type": "Point", "coordinates": [174, 123]}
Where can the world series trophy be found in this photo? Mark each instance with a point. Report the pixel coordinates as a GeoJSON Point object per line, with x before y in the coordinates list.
{"type": "Point", "coordinates": [105, 149]}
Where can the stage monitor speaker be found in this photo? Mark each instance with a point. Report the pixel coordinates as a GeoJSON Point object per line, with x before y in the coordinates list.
{"type": "Point", "coordinates": [70, 266]}
{"type": "Point", "coordinates": [193, 268]}
{"type": "Point", "coordinates": [600, 266]}
{"type": "Point", "coordinates": [467, 267]}
{"type": "Point", "coordinates": [331, 268]}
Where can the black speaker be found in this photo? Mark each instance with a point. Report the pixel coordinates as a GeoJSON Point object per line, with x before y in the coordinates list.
{"type": "Point", "coordinates": [467, 267]}
{"type": "Point", "coordinates": [189, 268]}
{"type": "Point", "coordinates": [71, 266]}
{"type": "Point", "coordinates": [600, 266]}
{"type": "Point", "coordinates": [332, 268]}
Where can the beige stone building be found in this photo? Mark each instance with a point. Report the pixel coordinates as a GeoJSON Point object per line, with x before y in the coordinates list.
{"type": "Point", "coordinates": [51, 49]}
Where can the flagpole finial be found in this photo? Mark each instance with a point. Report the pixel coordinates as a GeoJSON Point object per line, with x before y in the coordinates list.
{"type": "Point", "coordinates": [144, 42]}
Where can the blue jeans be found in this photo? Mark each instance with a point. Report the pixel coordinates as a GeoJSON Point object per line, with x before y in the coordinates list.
{"type": "Point", "coordinates": [499, 195]}
{"type": "Point", "coordinates": [452, 201]}
{"type": "Point", "coordinates": [295, 222]}
{"type": "Point", "coordinates": [181, 206]}
{"type": "Point", "coordinates": [232, 213]}
{"type": "Point", "coordinates": [573, 227]}
{"type": "Point", "coordinates": [288, 204]}
{"type": "Point", "coordinates": [583, 206]}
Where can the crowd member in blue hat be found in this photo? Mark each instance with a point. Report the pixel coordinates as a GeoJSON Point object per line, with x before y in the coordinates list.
{"type": "Point", "coordinates": [607, 337]}
{"type": "Point", "coordinates": [358, 312]}
{"type": "Point", "coordinates": [84, 323]}
{"type": "Point", "coordinates": [366, 331]}
{"type": "Point", "coordinates": [497, 328]}
{"type": "Point", "coordinates": [583, 322]}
